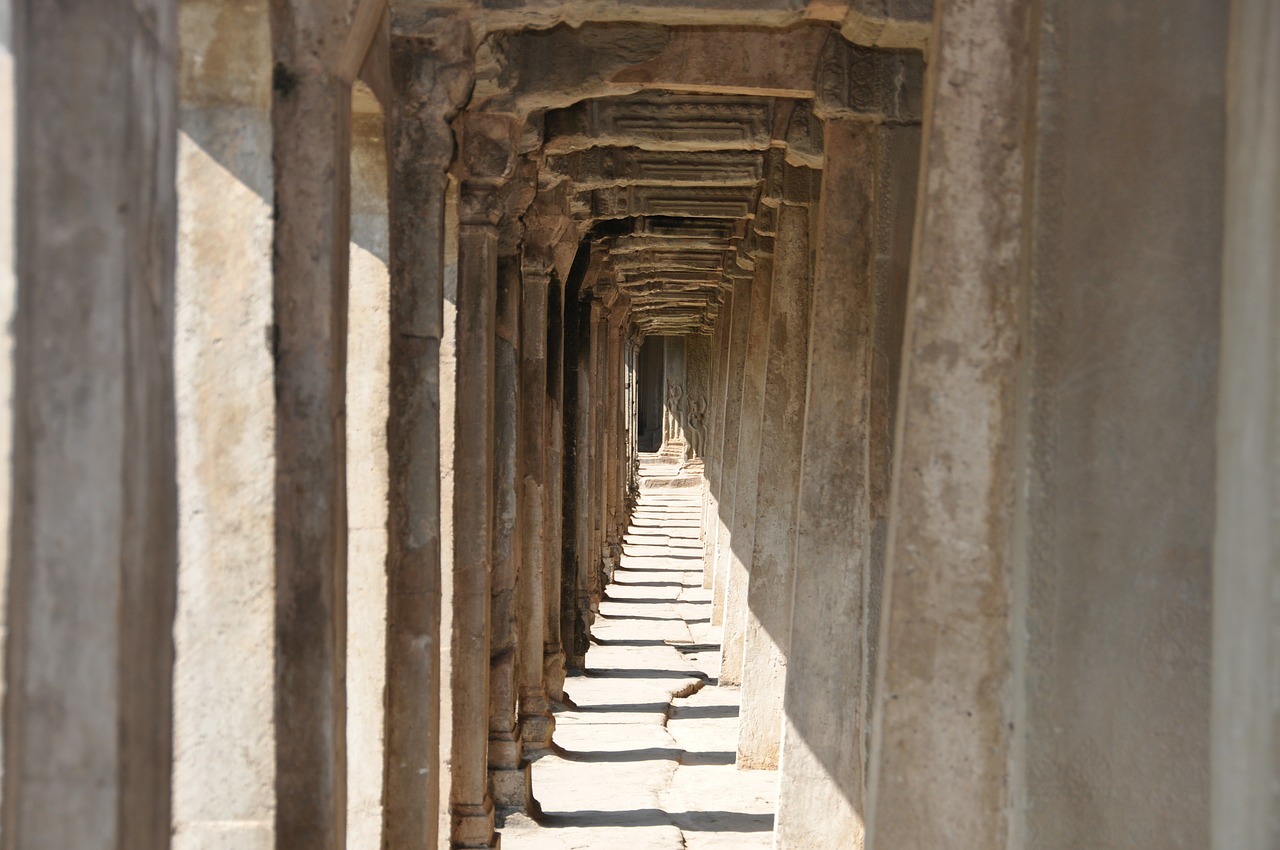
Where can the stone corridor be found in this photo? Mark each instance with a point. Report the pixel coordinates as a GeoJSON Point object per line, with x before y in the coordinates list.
{"type": "Point", "coordinates": [624, 424]}
{"type": "Point", "coordinates": [645, 756]}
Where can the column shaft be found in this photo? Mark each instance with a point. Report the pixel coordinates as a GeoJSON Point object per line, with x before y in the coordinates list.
{"type": "Point", "coordinates": [311, 124]}
{"type": "Point", "coordinates": [742, 534]}
{"type": "Point", "coordinates": [820, 800]}
{"type": "Point", "coordinates": [92, 553]}
{"type": "Point", "coordinates": [470, 806]}
{"type": "Point", "coordinates": [509, 776]}
{"type": "Point", "coordinates": [744, 296]}
{"type": "Point", "coordinates": [421, 145]}
{"type": "Point", "coordinates": [943, 712]}
{"type": "Point", "coordinates": [1246, 647]}
{"type": "Point", "coordinates": [768, 628]}
{"type": "Point", "coordinates": [536, 720]}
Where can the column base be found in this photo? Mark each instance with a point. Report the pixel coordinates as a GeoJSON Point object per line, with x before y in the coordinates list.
{"type": "Point", "coordinates": [553, 673]}
{"type": "Point", "coordinates": [471, 827]}
{"type": "Point", "coordinates": [512, 788]}
{"type": "Point", "coordinates": [537, 723]}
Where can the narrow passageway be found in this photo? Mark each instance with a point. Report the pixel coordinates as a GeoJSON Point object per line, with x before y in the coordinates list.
{"type": "Point", "coordinates": [645, 758]}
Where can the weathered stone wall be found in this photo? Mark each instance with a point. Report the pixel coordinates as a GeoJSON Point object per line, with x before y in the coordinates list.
{"type": "Point", "coordinates": [224, 763]}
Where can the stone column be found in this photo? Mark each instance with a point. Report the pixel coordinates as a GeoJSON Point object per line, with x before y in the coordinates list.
{"type": "Point", "coordinates": [426, 83]}
{"type": "Point", "coordinates": [742, 533]}
{"type": "Point", "coordinates": [820, 801]}
{"type": "Point", "coordinates": [768, 620]}
{"type": "Point", "coordinates": [743, 295]}
{"type": "Point", "coordinates": [943, 716]}
{"type": "Point", "coordinates": [1246, 647]}
{"type": "Point", "coordinates": [559, 543]}
{"type": "Point", "coordinates": [714, 460]}
{"type": "Point", "coordinates": [508, 774]}
{"type": "Point", "coordinates": [486, 156]}
{"type": "Point", "coordinates": [577, 514]}
{"type": "Point", "coordinates": [93, 553]}
{"type": "Point", "coordinates": [224, 733]}
{"type": "Point", "coordinates": [536, 720]}
{"type": "Point", "coordinates": [311, 114]}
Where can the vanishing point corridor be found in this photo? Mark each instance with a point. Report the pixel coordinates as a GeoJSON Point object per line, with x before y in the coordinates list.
{"type": "Point", "coordinates": [629, 424]}
{"type": "Point", "coordinates": [645, 756]}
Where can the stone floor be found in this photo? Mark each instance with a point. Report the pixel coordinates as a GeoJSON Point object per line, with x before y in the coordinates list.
{"type": "Point", "coordinates": [646, 758]}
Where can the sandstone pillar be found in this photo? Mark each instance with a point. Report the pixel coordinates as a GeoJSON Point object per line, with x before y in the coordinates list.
{"type": "Point", "coordinates": [1123, 364]}
{"type": "Point", "coordinates": [560, 536]}
{"type": "Point", "coordinates": [508, 774]}
{"type": "Point", "coordinates": [575, 513]}
{"type": "Point", "coordinates": [311, 114]}
{"type": "Point", "coordinates": [820, 800]}
{"type": "Point", "coordinates": [743, 295]}
{"type": "Point", "coordinates": [224, 735]}
{"type": "Point", "coordinates": [781, 438]}
{"type": "Point", "coordinates": [479, 210]}
{"type": "Point", "coordinates": [93, 551]}
{"type": "Point", "coordinates": [425, 84]}
{"type": "Point", "coordinates": [1246, 648]}
{"type": "Point", "coordinates": [742, 532]}
{"type": "Point", "coordinates": [714, 461]}
{"type": "Point", "coordinates": [940, 748]}
{"type": "Point", "coordinates": [536, 720]}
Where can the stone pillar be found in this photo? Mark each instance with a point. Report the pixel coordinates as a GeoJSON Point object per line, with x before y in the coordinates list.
{"type": "Point", "coordinates": [1246, 647]}
{"type": "Point", "coordinates": [768, 620]}
{"type": "Point", "coordinates": [224, 734]}
{"type": "Point", "coordinates": [714, 461]}
{"type": "Point", "coordinates": [742, 533]}
{"type": "Point", "coordinates": [311, 115]}
{"type": "Point", "coordinates": [426, 83]}
{"type": "Point", "coordinates": [508, 774]}
{"type": "Point", "coordinates": [943, 719]}
{"type": "Point", "coordinates": [743, 295]}
{"type": "Point", "coordinates": [558, 483]}
{"type": "Point", "coordinates": [486, 156]}
{"type": "Point", "coordinates": [1125, 337]}
{"type": "Point", "coordinates": [820, 801]}
{"type": "Point", "coordinates": [576, 512]}
{"type": "Point", "coordinates": [93, 553]}
{"type": "Point", "coordinates": [536, 720]}
{"type": "Point", "coordinates": [673, 435]}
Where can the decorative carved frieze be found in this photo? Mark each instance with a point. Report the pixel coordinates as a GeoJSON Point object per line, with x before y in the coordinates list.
{"type": "Point", "coordinates": [662, 122]}
{"type": "Point", "coordinates": [861, 82]}
{"type": "Point", "coordinates": [603, 167]}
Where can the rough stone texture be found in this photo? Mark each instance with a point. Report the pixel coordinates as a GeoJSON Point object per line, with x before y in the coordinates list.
{"type": "Point", "coordinates": [311, 112]}
{"type": "Point", "coordinates": [1245, 765]}
{"type": "Point", "coordinates": [426, 86]}
{"type": "Point", "coordinates": [224, 736]}
{"type": "Point", "coordinates": [742, 533]}
{"type": "Point", "coordinates": [368, 379]}
{"type": "Point", "coordinates": [93, 548]}
{"type": "Point", "coordinates": [728, 479]}
{"type": "Point", "coordinates": [8, 297]}
{"type": "Point", "coordinates": [943, 712]}
{"type": "Point", "coordinates": [768, 628]}
{"type": "Point", "coordinates": [1124, 356]}
{"type": "Point", "coordinates": [821, 792]}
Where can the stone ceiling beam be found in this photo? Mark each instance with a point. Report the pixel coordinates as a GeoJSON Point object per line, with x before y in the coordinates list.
{"type": "Point", "coordinates": [872, 23]}
{"type": "Point", "coordinates": [657, 123]}
{"type": "Point", "coordinates": [600, 168]}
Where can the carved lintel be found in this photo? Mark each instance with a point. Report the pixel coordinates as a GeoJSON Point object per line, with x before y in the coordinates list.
{"type": "Point", "coordinates": [805, 137]}
{"type": "Point", "coordinates": [800, 185]}
{"type": "Point", "coordinates": [431, 76]}
{"type": "Point", "coordinates": [869, 84]}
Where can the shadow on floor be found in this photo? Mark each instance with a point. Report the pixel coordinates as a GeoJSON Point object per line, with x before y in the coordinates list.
{"type": "Point", "coordinates": [712, 821]}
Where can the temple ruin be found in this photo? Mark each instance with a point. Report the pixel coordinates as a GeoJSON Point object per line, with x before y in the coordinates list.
{"type": "Point", "coordinates": [891, 383]}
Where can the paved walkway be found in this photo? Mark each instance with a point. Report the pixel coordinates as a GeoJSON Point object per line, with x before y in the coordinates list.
{"type": "Point", "coordinates": [645, 761]}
